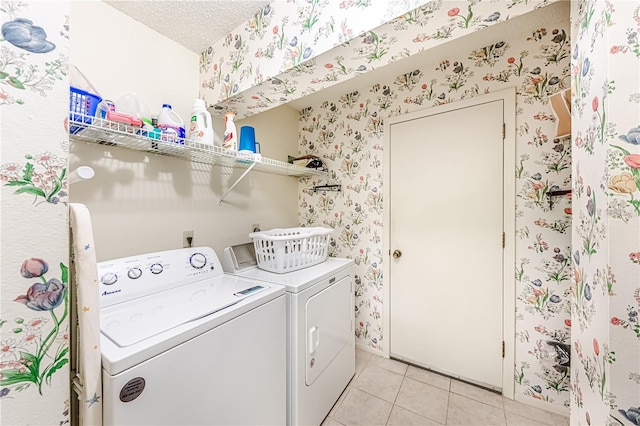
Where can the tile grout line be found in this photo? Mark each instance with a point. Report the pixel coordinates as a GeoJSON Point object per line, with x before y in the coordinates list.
{"type": "Point", "coordinates": [449, 395]}
{"type": "Point", "coordinates": [345, 392]}
{"type": "Point", "coordinates": [414, 412]}
{"type": "Point", "coordinates": [504, 413]}
{"type": "Point", "coordinates": [446, 416]}
{"type": "Point", "coordinates": [393, 404]}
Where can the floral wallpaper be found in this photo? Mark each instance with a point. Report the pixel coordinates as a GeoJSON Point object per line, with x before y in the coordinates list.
{"type": "Point", "coordinates": [298, 31]}
{"type": "Point", "coordinates": [574, 287]}
{"type": "Point", "coordinates": [34, 324]}
{"type": "Point", "coordinates": [581, 256]}
{"type": "Point", "coordinates": [347, 133]}
{"type": "Point", "coordinates": [278, 56]}
{"type": "Point", "coordinates": [606, 227]}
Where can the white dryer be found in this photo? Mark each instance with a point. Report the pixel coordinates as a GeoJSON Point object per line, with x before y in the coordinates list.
{"type": "Point", "coordinates": [320, 330]}
{"type": "Point", "coordinates": [184, 343]}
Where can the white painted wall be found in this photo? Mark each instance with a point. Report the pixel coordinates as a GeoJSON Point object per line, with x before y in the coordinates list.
{"type": "Point", "coordinates": [119, 55]}
{"type": "Point", "coordinates": [141, 202]}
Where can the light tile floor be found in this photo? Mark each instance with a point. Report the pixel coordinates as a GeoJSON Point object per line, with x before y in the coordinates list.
{"type": "Point", "coordinates": [389, 392]}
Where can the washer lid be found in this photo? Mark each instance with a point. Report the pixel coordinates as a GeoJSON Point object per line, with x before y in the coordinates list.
{"type": "Point", "coordinates": [133, 321]}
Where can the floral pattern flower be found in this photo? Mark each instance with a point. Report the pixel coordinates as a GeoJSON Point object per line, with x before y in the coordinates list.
{"type": "Point", "coordinates": [632, 136]}
{"type": "Point", "coordinates": [623, 183]}
{"type": "Point", "coordinates": [34, 268]}
{"type": "Point", "coordinates": [630, 179]}
{"type": "Point", "coordinates": [632, 160]}
{"type": "Point", "coordinates": [19, 71]}
{"type": "Point", "coordinates": [23, 34]}
{"type": "Point", "coordinates": [44, 297]}
{"type": "Point", "coordinates": [632, 414]}
{"type": "Point", "coordinates": [8, 348]}
{"type": "Point", "coordinates": [43, 176]}
{"type": "Point", "coordinates": [37, 360]}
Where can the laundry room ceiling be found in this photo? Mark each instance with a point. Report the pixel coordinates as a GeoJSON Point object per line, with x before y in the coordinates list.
{"type": "Point", "coordinates": [194, 24]}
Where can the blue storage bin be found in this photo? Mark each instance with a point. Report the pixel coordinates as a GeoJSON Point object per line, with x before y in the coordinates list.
{"type": "Point", "coordinates": [82, 108]}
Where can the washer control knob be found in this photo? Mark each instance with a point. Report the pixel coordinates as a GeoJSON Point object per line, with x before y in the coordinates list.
{"type": "Point", "coordinates": [198, 260]}
{"type": "Point", "coordinates": [109, 278]}
{"type": "Point", "coordinates": [134, 273]}
{"type": "Point", "coordinates": [156, 268]}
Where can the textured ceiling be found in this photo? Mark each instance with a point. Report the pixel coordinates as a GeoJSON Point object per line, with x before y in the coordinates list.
{"type": "Point", "coordinates": [194, 24]}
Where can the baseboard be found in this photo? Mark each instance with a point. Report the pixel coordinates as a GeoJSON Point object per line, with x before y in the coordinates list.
{"type": "Point", "coordinates": [369, 349]}
{"type": "Point", "coordinates": [543, 405]}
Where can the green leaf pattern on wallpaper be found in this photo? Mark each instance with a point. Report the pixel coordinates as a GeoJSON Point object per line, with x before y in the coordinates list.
{"type": "Point", "coordinates": [628, 181]}
{"type": "Point", "coordinates": [315, 44]}
{"type": "Point", "coordinates": [34, 343]}
{"type": "Point", "coordinates": [37, 347]}
{"type": "Point", "coordinates": [21, 40]}
{"type": "Point", "coordinates": [631, 321]}
{"type": "Point", "coordinates": [22, 59]}
{"type": "Point", "coordinates": [606, 188]}
{"type": "Point", "coordinates": [42, 177]}
{"type": "Point", "coordinates": [347, 132]}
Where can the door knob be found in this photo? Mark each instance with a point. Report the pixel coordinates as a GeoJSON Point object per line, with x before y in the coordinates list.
{"type": "Point", "coordinates": [397, 254]}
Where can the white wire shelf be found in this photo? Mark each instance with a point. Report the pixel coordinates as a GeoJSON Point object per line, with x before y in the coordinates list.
{"type": "Point", "coordinates": [109, 133]}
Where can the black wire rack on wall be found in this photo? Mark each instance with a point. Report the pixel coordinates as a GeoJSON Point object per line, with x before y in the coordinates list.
{"type": "Point", "coordinates": [557, 193]}
{"type": "Point", "coordinates": [337, 188]}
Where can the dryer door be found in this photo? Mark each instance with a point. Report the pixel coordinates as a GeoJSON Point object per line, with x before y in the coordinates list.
{"type": "Point", "coordinates": [329, 327]}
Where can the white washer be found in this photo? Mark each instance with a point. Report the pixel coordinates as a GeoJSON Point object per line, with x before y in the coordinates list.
{"type": "Point", "coordinates": [184, 343]}
{"type": "Point", "coordinates": [320, 330]}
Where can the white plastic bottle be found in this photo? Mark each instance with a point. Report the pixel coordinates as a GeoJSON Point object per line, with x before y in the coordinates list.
{"type": "Point", "coordinates": [171, 125]}
{"type": "Point", "coordinates": [201, 128]}
{"type": "Point", "coordinates": [133, 105]}
{"type": "Point", "coordinates": [230, 140]}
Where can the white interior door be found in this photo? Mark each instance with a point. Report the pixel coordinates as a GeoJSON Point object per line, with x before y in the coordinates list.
{"type": "Point", "coordinates": [446, 220]}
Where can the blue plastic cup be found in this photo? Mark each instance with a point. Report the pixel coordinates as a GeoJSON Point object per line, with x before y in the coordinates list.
{"type": "Point", "coordinates": [247, 139]}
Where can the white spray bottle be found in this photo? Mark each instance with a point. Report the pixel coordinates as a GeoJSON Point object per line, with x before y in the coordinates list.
{"type": "Point", "coordinates": [230, 140]}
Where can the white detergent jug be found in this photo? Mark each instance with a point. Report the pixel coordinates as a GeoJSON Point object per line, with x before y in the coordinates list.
{"type": "Point", "coordinates": [201, 127]}
{"type": "Point", "coordinates": [171, 125]}
{"type": "Point", "coordinates": [133, 105]}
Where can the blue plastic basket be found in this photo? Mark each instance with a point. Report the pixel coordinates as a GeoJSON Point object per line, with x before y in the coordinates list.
{"type": "Point", "coordinates": [82, 108]}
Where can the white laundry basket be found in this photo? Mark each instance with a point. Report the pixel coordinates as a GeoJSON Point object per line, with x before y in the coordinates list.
{"type": "Point", "coordinates": [290, 249]}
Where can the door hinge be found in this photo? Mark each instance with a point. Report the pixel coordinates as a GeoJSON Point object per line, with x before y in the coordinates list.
{"type": "Point", "coordinates": [504, 237]}
{"type": "Point", "coordinates": [503, 349]}
{"type": "Point", "coordinates": [504, 131]}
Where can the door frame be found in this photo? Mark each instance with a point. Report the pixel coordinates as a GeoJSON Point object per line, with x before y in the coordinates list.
{"type": "Point", "coordinates": [508, 96]}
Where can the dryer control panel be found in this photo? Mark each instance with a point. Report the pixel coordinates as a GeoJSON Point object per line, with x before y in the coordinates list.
{"type": "Point", "coordinates": [136, 276]}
